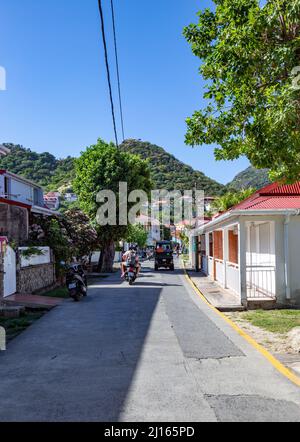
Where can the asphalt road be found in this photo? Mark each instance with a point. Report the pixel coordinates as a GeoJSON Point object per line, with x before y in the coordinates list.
{"type": "Point", "coordinates": [151, 352]}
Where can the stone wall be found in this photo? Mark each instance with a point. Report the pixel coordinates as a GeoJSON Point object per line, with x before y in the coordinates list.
{"type": "Point", "coordinates": [35, 278]}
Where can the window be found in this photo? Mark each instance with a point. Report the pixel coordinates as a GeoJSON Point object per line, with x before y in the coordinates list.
{"type": "Point", "coordinates": [218, 244]}
{"type": "Point", "coordinates": [36, 196]}
{"type": "Point", "coordinates": [6, 186]}
{"type": "Point", "coordinates": [211, 245]}
{"type": "Point", "coordinates": [233, 245]}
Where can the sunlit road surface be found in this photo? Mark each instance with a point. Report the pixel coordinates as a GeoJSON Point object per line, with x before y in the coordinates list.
{"type": "Point", "coordinates": [151, 352]}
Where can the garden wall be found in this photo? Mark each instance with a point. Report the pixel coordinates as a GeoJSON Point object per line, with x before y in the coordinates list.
{"type": "Point", "coordinates": [34, 278]}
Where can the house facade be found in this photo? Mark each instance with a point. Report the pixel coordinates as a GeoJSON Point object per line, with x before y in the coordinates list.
{"type": "Point", "coordinates": [153, 228]}
{"type": "Point", "coordinates": [253, 250]}
{"type": "Point", "coordinates": [18, 198]}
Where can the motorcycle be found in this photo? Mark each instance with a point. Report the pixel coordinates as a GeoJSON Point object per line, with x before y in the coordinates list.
{"type": "Point", "coordinates": [76, 282]}
{"type": "Point", "coordinates": [131, 273]}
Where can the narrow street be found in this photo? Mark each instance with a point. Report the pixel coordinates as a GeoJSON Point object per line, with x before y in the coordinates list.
{"type": "Point", "coordinates": [151, 352]}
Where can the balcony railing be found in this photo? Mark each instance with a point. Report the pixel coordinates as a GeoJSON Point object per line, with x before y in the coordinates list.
{"type": "Point", "coordinates": [261, 282]}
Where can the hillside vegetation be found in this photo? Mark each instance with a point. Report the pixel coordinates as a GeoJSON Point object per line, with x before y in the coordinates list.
{"type": "Point", "coordinates": [250, 177]}
{"type": "Point", "coordinates": [52, 174]}
{"type": "Point", "coordinates": [43, 169]}
{"type": "Point", "coordinates": [170, 173]}
{"type": "Point", "coordinates": [167, 171]}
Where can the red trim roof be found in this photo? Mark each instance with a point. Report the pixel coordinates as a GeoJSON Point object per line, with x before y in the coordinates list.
{"type": "Point", "coordinates": [273, 197]}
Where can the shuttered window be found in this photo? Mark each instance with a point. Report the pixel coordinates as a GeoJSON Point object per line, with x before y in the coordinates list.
{"type": "Point", "coordinates": [218, 245]}
{"type": "Point", "coordinates": [233, 245]}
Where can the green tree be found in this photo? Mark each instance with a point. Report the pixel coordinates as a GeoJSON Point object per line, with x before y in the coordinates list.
{"type": "Point", "coordinates": [103, 167]}
{"type": "Point", "coordinates": [249, 53]}
{"type": "Point", "coordinates": [137, 235]}
{"type": "Point", "coordinates": [231, 199]}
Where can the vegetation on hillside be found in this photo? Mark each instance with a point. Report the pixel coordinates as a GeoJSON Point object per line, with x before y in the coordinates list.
{"type": "Point", "coordinates": [43, 169]}
{"type": "Point", "coordinates": [250, 177]}
{"type": "Point", "coordinates": [169, 173]}
{"type": "Point", "coordinates": [166, 171]}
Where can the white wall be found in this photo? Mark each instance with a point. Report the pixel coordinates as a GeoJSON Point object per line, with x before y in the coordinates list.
{"type": "Point", "coordinates": [34, 260]}
{"type": "Point", "coordinates": [294, 248]}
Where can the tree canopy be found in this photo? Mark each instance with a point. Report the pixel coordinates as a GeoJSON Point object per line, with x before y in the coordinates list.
{"type": "Point", "coordinates": [103, 167]}
{"type": "Point", "coordinates": [231, 199]}
{"type": "Point", "coordinates": [137, 235]}
{"type": "Point", "coordinates": [250, 54]}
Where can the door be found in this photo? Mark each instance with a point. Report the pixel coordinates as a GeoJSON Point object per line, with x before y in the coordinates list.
{"type": "Point", "coordinates": [10, 276]}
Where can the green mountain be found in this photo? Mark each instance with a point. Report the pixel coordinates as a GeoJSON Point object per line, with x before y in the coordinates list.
{"type": "Point", "coordinates": [250, 177]}
{"type": "Point", "coordinates": [43, 169]}
{"type": "Point", "coordinates": [53, 174]}
{"type": "Point", "coordinates": [170, 173]}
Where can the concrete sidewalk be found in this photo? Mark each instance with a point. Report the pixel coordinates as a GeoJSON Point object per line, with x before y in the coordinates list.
{"type": "Point", "coordinates": [223, 300]}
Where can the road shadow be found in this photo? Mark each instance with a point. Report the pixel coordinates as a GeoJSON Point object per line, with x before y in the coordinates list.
{"type": "Point", "coordinates": [78, 362]}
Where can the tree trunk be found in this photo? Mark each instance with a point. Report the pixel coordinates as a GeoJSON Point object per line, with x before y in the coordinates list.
{"type": "Point", "coordinates": [107, 257]}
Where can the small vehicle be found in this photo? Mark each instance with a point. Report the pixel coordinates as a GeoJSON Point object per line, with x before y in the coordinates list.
{"type": "Point", "coordinates": [76, 282]}
{"type": "Point", "coordinates": [131, 272]}
{"type": "Point", "coordinates": [164, 256]}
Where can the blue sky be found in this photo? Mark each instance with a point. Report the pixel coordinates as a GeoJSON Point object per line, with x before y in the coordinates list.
{"type": "Point", "coordinates": [57, 99]}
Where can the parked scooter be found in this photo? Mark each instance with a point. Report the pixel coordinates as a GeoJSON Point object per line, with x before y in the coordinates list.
{"type": "Point", "coordinates": [76, 282]}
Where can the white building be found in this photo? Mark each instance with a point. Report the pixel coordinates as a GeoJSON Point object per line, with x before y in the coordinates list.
{"type": "Point", "coordinates": [71, 197]}
{"type": "Point", "coordinates": [52, 200]}
{"type": "Point", "coordinates": [253, 250]}
{"type": "Point", "coordinates": [153, 228]}
{"type": "Point", "coordinates": [14, 188]}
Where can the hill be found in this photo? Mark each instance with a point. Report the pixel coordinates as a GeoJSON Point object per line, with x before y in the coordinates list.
{"type": "Point", "coordinates": [250, 177]}
{"type": "Point", "coordinates": [170, 173]}
{"type": "Point", "coordinates": [43, 169]}
{"type": "Point", "coordinates": [52, 174]}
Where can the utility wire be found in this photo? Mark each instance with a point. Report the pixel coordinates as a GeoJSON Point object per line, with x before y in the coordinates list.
{"type": "Point", "coordinates": [117, 64]}
{"type": "Point", "coordinates": [108, 71]}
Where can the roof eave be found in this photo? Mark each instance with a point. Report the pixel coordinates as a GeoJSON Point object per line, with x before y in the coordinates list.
{"type": "Point", "coordinates": [236, 213]}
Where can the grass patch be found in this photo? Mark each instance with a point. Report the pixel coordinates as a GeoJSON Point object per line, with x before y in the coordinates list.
{"type": "Point", "coordinates": [15, 326]}
{"type": "Point", "coordinates": [276, 321]}
{"type": "Point", "coordinates": [60, 292]}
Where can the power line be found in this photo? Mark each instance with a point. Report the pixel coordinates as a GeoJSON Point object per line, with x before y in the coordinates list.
{"type": "Point", "coordinates": [108, 71]}
{"type": "Point", "coordinates": [117, 64]}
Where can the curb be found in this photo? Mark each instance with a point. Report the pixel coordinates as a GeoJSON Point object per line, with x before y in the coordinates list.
{"type": "Point", "coordinates": [267, 355]}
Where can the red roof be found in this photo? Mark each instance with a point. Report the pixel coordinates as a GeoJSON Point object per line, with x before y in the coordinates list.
{"type": "Point", "coordinates": [273, 197]}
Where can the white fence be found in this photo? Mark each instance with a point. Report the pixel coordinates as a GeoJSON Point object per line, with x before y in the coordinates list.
{"type": "Point", "coordinates": [96, 257]}
{"type": "Point", "coordinates": [43, 257]}
{"type": "Point", "coordinates": [261, 282]}
{"type": "Point", "coordinates": [210, 266]}
{"type": "Point", "coordinates": [233, 277]}
{"type": "Point", "coordinates": [219, 276]}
